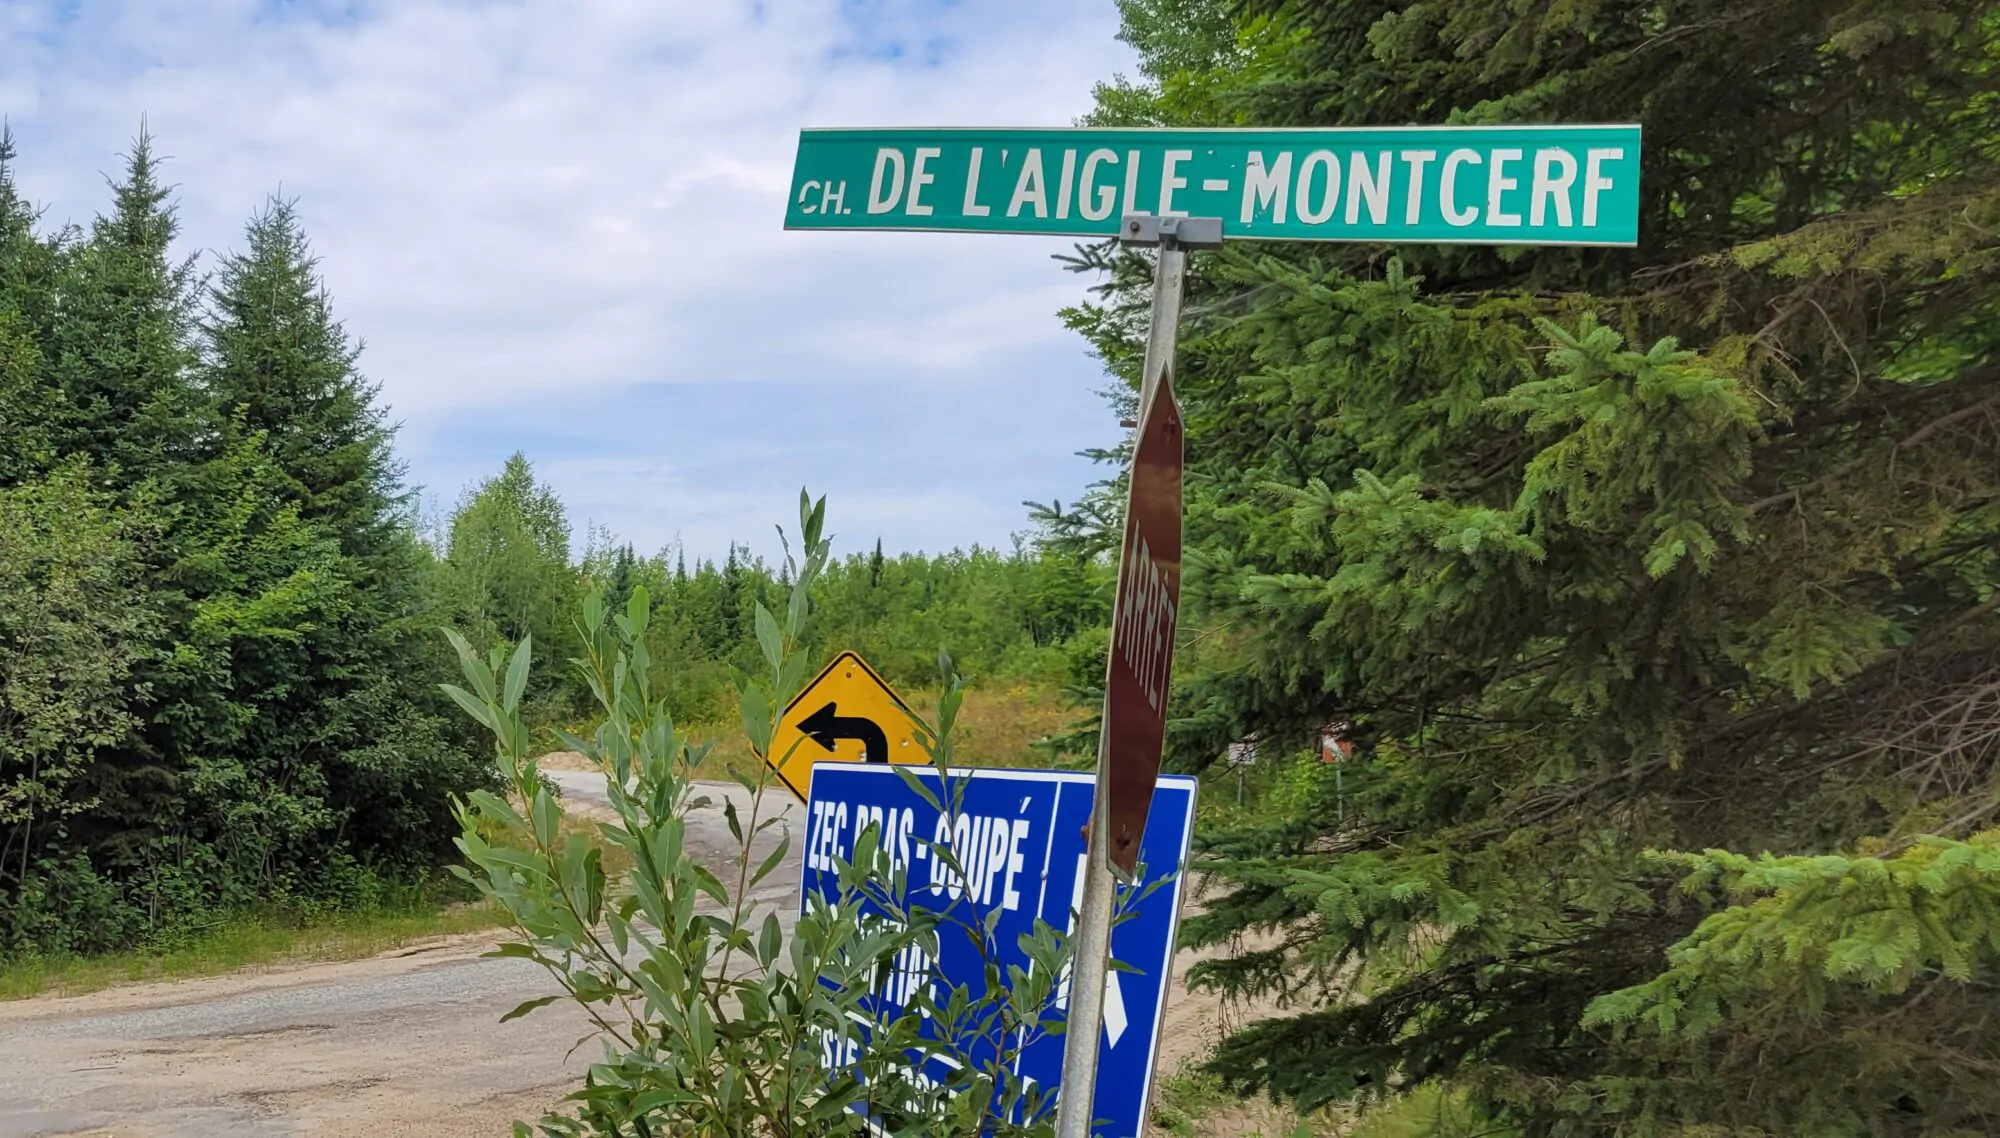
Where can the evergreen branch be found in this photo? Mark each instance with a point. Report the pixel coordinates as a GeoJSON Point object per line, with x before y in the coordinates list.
{"type": "Point", "coordinates": [1978, 376]}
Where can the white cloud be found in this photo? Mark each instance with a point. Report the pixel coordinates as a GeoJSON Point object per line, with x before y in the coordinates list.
{"type": "Point", "coordinates": [665, 505]}
{"type": "Point", "coordinates": [959, 332]}
{"type": "Point", "coordinates": [518, 202]}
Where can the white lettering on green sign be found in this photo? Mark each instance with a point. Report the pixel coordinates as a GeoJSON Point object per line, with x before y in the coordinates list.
{"type": "Point", "coordinates": [1529, 185]}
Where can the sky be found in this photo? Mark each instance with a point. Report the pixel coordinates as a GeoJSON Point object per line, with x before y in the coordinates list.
{"type": "Point", "coordinates": [557, 227]}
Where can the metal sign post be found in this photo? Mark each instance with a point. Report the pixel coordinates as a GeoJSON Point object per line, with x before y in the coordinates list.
{"type": "Point", "coordinates": [1242, 756]}
{"type": "Point", "coordinates": [1141, 657]}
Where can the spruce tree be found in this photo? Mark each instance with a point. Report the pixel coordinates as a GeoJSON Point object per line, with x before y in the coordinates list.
{"type": "Point", "coordinates": [119, 349]}
{"type": "Point", "coordinates": [32, 410]}
{"type": "Point", "coordinates": [728, 628]}
{"type": "Point", "coordinates": [1661, 583]}
{"type": "Point", "coordinates": [241, 590]}
{"type": "Point", "coordinates": [123, 353]}
{"type": "Point", "coordinates": [622, 578]}
{"type": "Point", "coordinates": [283, 368]}
{"type": "Point", "coordinates": [338, 574]}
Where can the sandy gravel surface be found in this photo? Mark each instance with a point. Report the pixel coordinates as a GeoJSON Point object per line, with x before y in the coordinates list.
{"type": "Point", "coordinates": [403, 1044]}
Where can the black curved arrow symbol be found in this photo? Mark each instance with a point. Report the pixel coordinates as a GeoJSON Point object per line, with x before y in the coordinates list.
{"type": "Point", "coordinates": [825, 725]}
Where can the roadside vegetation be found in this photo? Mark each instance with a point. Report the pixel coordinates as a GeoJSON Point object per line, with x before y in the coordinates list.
{"type": "Point", "coordinates": [1660, 586]}
{"type": "Point", "coordinates": [1028, 619]}
{"type": "Point", "coordinates": [432, 911]}
{"type": "Point", "coordinates": [221, 612]}
{"type": "Point", "coordinates": [217, 665]}
{"type": "Point", "coordinates": [253, 941]}
{"type": "Point", "coordinates": [714, 1014]}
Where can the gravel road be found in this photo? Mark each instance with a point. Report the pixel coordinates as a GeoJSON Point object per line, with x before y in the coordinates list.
{"type": "Point", "coordinates": [405, 1044]}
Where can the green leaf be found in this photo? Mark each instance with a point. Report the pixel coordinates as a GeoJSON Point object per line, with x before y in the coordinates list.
{"type": "Point", "coordinates": [770, 941]}
{"type": "Point", "coordinates": [651, 1101]}
{"type": "Point", "coordinates": [510, 949]}
{"type": "Point", "coordinates": [707, 883]}
{"type": "Point", "coordinates": [517, 675]}
{"type": "Point", "coordinates": [479, 711]}
{"type": "Point", "coordinates": [528, 1006]}
{"type": "Point", "coordinates": [769, 638]}
{"type": "Point", "coordinates": [756, 718]}
{"type": "Point", "coordinates": [917, 786]}
{"type": "Point", "coordinates": [639, 607]}
{"type": "Point", "coordinates": [772, 860]}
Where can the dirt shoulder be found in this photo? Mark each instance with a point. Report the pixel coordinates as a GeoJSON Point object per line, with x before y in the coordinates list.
{"type": "Point", "coordinates": [407, 1043]}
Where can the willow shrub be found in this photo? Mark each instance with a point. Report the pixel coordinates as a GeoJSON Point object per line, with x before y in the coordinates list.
{"type": "Point", "coordinates": [714, 1018]}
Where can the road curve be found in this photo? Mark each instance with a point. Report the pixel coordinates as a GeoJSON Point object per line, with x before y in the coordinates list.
{"type": "Point", "coordinates": [404, 1044]}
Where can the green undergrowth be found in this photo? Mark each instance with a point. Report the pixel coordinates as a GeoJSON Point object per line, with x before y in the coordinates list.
{"type": "Point", "coordinates": [1182, 1101]}
{"type": "Point", "coordinates": [276, 938]}
{"type": "Point", "coordinates": [1192, 1103]}
{"type": "Point", "coordinates": [251, 940]}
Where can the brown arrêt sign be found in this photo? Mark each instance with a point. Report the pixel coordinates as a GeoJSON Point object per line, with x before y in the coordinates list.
{"type": "Point", "coordinates": [1142, 642]}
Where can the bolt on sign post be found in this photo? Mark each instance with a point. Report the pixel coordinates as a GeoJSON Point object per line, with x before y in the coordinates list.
{"type": "Point", "coordinates": [1176, 190]}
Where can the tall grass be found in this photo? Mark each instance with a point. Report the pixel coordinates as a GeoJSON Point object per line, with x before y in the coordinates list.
{"type": "Point", "coordinates": [248, 940]}
{"type": "Point", "coordinates": [999, 725]}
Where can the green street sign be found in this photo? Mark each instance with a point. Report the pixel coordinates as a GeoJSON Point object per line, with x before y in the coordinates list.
{"type": "Point", "coordinates": [1499, 185]}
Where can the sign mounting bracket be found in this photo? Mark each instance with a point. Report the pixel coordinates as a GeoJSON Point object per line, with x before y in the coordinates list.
{"type": "Point", "coordinates": [1146, 230]}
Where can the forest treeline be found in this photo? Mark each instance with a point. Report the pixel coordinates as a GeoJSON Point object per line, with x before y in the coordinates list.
{"type": "Point", "coordinates": [220, 612]}
{"type": "Point", "coordinates": [1662, 584]}
{"type": "Point", "coordinates": [505, 570]}
{"type": "Point", "coordinates": [215, 690]}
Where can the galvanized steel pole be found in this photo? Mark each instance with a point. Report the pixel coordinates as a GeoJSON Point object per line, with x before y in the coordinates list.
{"type": "Point", "coordinates": [1091, 940]}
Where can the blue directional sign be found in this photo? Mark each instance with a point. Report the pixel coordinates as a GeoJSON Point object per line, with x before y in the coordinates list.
{"type": "Point", "coordinates": [1019, 837]}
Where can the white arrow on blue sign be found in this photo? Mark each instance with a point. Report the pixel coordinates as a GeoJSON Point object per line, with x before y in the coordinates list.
{"type": "Point", "coordinates": [1020, 836]}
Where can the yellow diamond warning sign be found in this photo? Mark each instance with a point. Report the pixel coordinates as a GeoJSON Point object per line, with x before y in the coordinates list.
{"type": "Point", "coordinates": [849, 714]}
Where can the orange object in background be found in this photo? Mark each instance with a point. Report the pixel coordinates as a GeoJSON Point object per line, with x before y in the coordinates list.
{"type": "Point", "coordinates": [1334, 744]}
